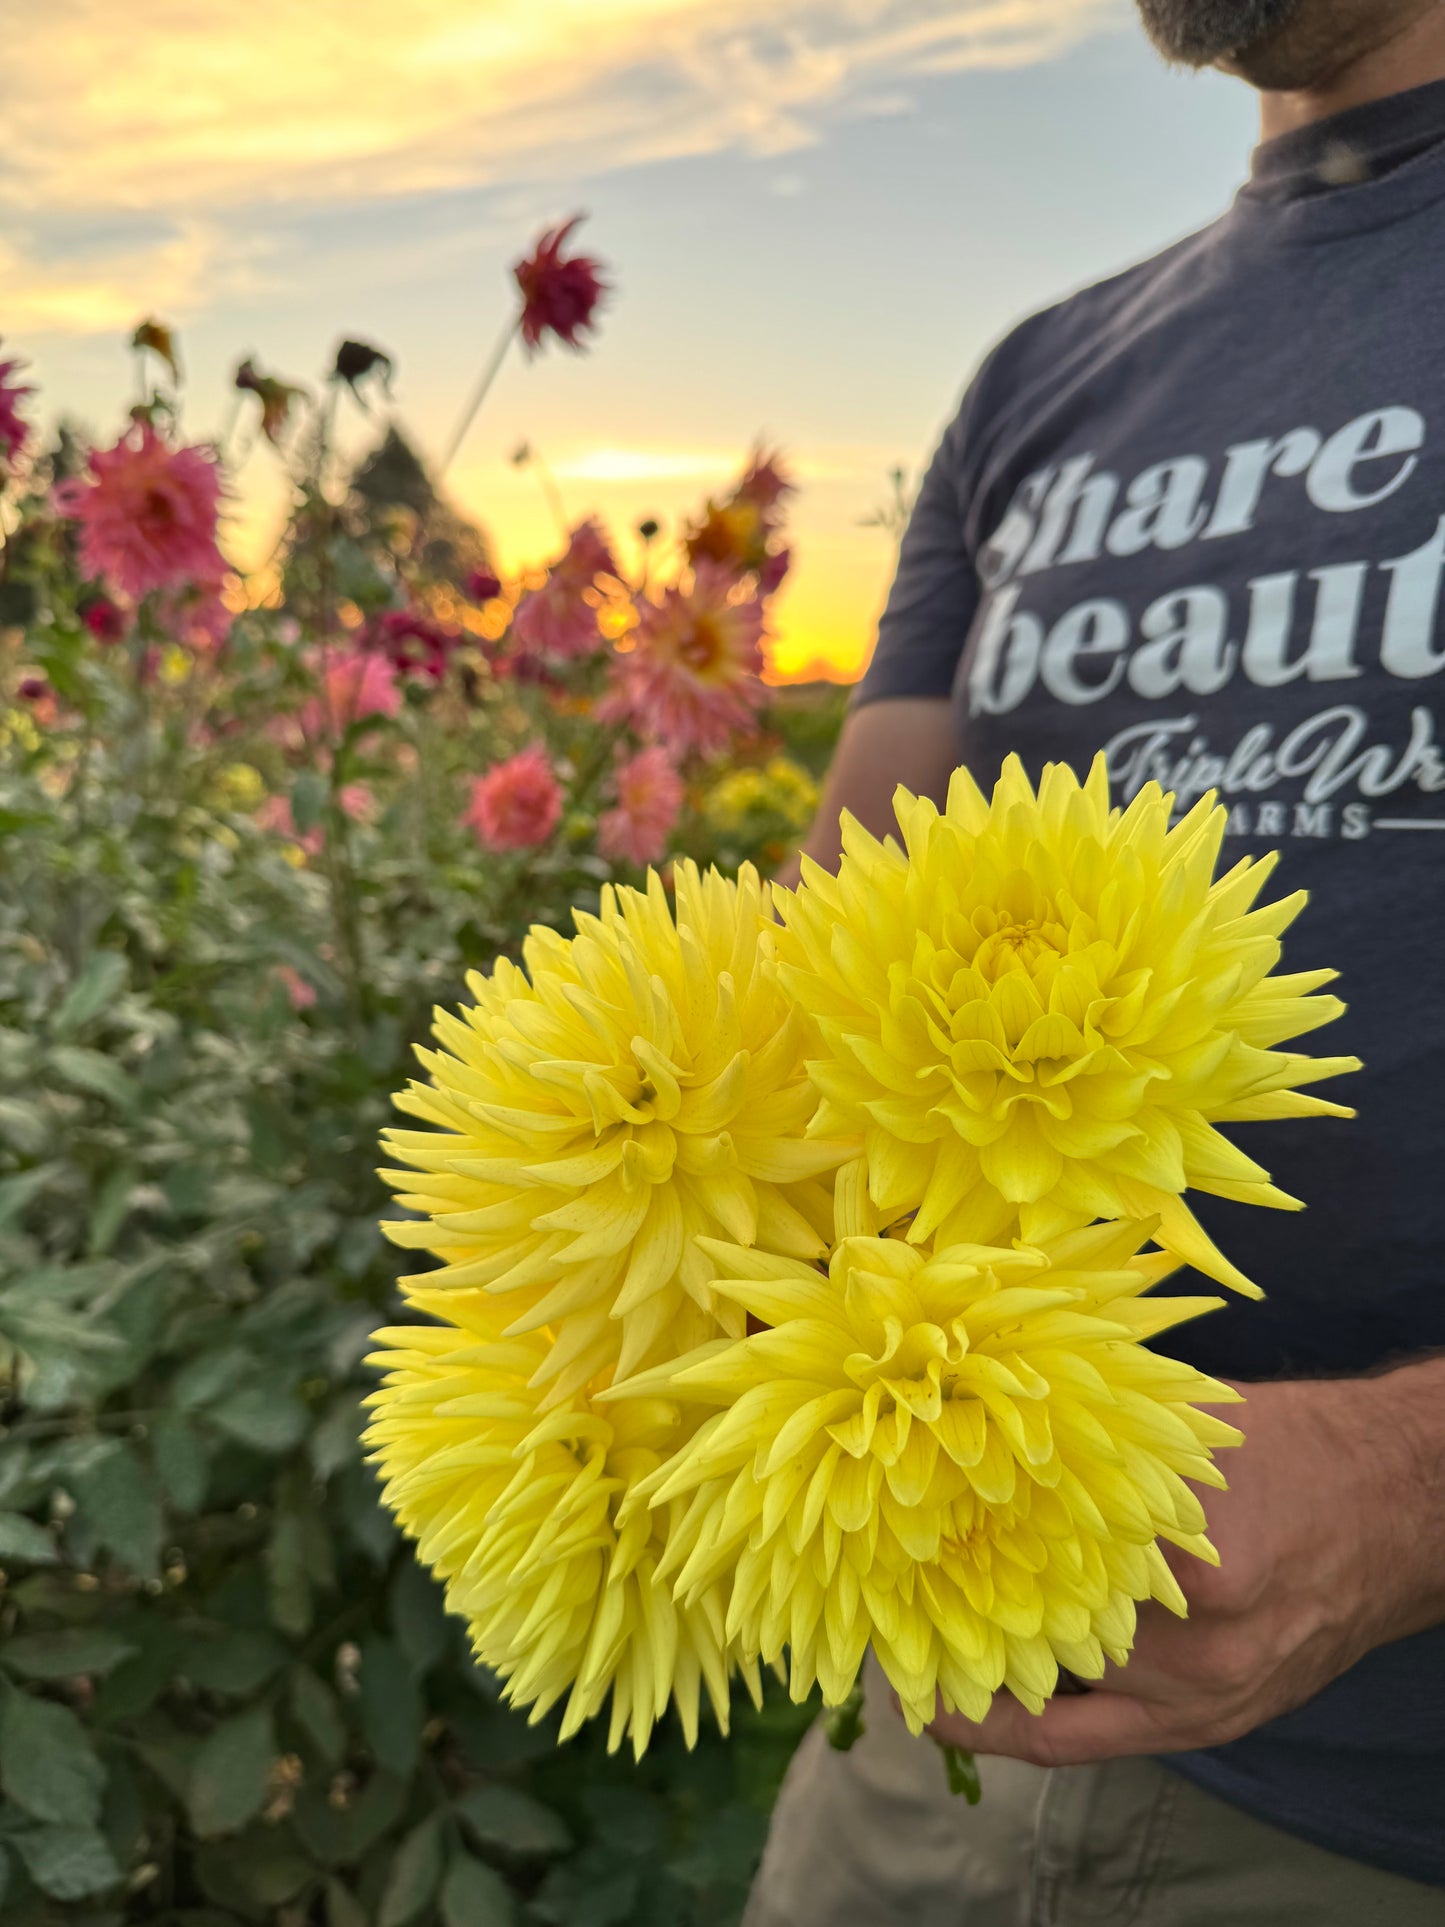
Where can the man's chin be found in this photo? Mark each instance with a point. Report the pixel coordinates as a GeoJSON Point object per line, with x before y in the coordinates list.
{"type": "Point", "coordinates": [1236, 36]}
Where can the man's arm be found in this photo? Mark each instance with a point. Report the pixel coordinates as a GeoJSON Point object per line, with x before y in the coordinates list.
{"type": "Point", "coordinates": [902, 739]}
{"type": "Point", "coordinates": [1332, 1542]}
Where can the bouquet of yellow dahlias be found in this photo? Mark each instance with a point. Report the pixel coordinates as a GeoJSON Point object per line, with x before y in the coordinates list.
{"type": "Point", "coordinates": [791, 1294]}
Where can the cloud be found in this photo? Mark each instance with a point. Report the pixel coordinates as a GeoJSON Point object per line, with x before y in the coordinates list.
{"type": "Point", "coordinates": [180, 105]}
{"type": "Point", "coordinates": [102, 287]}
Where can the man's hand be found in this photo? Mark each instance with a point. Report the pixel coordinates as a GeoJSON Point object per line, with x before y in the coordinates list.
{"type": "Point", "coordinates": [1331, 1541]}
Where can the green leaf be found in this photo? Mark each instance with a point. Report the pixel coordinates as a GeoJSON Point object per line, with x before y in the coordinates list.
{"type": "Point", "coordinates": [229, 1774]}
{"type": "Point", "coordinates": [288, 1572]}
{"type": "Point", "coordinates": [180, 1458]}
{"type": "Point", "coordinates": [68, 1863]}
{"type": "Point", "coordinates": [96, 1074]}
{"type": "Point", "coordinates": [99, 984]}
{"type": "Point", "coordinates": [415, 1875]}
{"type": "Point", "coordinates": [308, 800]}
{"type": "Point", "coordinates": [343, 1909]}
{"type": "Point", "coordinates": [65, 1654]}
{"type": "Point", "coordinates": [25, 1542]}
{"type": "Point", "coordinates": [120, 1503]}
{"type": "Point", "coordinates": [418, 1616]}
{"type": "Point", "coordinates": [16, 1192]}
{"type": "Point", "coordinates": [392, 1709]}
{"type": "Point", "coordinates": [341, 1835]}
{"type": "Point", "coordinates": [505, 1821]}
{"type": "Point", "coordinates": [24, 1125]}
{"type": "Point", "coordinates": [475, 1895]}
{"type": "Point", "coordinates": [317, 1711]}
{"type": "Point", "coordinates": [237, 1664]}
{"type": "Point", "coordinates": [265, 1417]}
{"type": "Point", "coordinates": [628, 1819]}
{"type": "Point", "coordinates": [46, 1763]}
{"type": "Point", "coordinates": [111, 1209]}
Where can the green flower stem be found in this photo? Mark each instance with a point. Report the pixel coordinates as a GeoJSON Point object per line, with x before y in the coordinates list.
{"type": "Point", "coordinates": [844, 1724]}
{"type": "Point", "coordinates": [479, 394]}
{"type": "Point", "coordinates": [962, 1770]}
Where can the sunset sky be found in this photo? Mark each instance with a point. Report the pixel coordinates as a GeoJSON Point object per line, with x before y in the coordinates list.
{"type": "Point", "coordinates": [818, 214]}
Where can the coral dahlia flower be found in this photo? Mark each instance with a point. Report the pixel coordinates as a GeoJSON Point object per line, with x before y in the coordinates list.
{"type": "Point", "coordinates": [691, 681]}
{"type": "Point", "coordinates": [517, 804]}
{"type": "Point", "coordinates": [590, 1116]}
{"type": "Point", "coordinates": [356, 683]}
{"type": "Point", "coordinates": [1045, 1006]}
{"type": "Point", "coordinates": [515, 1510]}
{"type": "Point", "coordinates": [649, 801]}
{"type": "Point", "coordinates": [557, 619]}
{"type": "Point", "coordinates": [964, 1458]}
{"type": "Point", "coordinates": [560, 293]}
{"type": "Point", "coordinates": [147, 514]}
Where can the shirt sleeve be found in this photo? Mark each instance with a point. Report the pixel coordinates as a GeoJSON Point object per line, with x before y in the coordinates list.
{"type": "Point", "coordinates": [935, 592]}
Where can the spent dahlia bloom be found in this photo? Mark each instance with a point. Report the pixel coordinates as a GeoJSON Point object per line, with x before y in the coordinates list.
{"type": "Point", "coordinates": [560, 293]}
{"type": "Point", "coordinates": [557, 619]}
{"type": "Point", "coordinates": [964, 1458]}
{"type": "Point", "coordinates": [147, 514]}
{"type": "Point", "coordinates": [355, 683]}
{"type": "Point", "coordinates": [691, 681]}
{"type": "Point", "coordinates": [1043, 1006]}
{"type": "Point", "coordinates": [649, 801]}
{"type": "Point", "coordinates": [517, 804]}
{"type": "Point", "coordinates": [593, 1114]}
{"type": "Point", "coordinates": [515, 1510]}
{"type": "Point", "coordinates": [14, 429]}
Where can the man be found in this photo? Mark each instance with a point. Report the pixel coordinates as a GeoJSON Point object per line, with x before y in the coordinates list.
{"type": "Point", "coordinates": [1195, 516]}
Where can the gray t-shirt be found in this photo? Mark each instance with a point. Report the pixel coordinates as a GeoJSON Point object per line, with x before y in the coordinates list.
{"type": "Point", "coordinates": [1195, 516]}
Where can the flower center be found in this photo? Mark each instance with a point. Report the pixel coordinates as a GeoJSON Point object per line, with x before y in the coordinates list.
{"type": "Point", "coordinates": [702, 647]}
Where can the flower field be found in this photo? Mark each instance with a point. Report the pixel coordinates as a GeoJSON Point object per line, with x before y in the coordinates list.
{"type": "Point", "coordinates": [254, 830]}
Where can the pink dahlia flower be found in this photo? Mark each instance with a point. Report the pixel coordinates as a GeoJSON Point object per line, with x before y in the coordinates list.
{"type": "Point", "coordinates": [557, 619]}
{"type": "Point", "coordinates": [517, 804]}
{"type": "Point", "coordinates": [275, 815]}
{"type": "Point", "coordinates": [358, 801]}
{"type": "Point", "coordinates": [301, 994]}
{"type": "Point", "coordinates": [560, 293]}
{"type": "Point", "coordinates": [691, 682]}
{"type": "Point", "coordinates": [649, 801]}
{"type": "Point", "coordinates": [355, 683]}
{"type": "Point", "coordinates": [14, 430]}
{"type": "Point", "coordinates": [196, 615]}
{"type": "Point", "coordinates": [147, 514]}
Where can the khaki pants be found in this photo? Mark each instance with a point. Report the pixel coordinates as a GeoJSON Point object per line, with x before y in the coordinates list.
{"type": "Point", "coordinates": [873, 1838]}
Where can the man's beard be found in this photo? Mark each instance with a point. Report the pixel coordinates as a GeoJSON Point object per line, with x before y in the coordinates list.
{"type": "Point", "coordinates": [1200, 32]}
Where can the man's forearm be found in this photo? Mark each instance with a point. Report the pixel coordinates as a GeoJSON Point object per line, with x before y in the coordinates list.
{"type": "Point", "coordinates": [907, 739]}
{"type": "Point", "coordinates": [1393, 1425]}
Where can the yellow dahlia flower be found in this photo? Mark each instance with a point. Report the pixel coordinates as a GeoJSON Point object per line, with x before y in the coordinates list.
{"type": "Point", "coordinates": [1043, 1006]}
{"type": "Point", "coordinates": [515, 1510]}
{"type": "Point", "coordinates": [963, 1457]}
{"type": "Point", "coordinates": [635, 1087]}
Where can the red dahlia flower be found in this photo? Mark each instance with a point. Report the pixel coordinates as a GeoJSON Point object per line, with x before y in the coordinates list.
{"type": "Point", "coordinates": [14, 431]}
{"type": "Point", "coordinates": [560, 293]}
